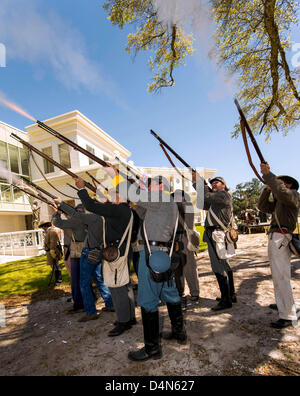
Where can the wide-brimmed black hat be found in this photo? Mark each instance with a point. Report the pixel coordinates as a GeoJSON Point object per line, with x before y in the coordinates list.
{"type": "Point", "coordinates": [44, 223]}
{"type": "Point", "coordinates": [220, 179]}
{"type": "Point", "coordinates": [290, 180]}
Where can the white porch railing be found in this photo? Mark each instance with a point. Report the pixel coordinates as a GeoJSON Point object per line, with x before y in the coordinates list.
{"type": "Point", "coordinates": [22, 243]}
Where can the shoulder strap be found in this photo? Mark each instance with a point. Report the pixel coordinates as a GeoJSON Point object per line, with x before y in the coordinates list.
{"type": "Point", "coordinates": [127, 230]}
{"type": "Point", "coordinates": [174, 235]}
{"type": "Point", "coordinates": [173, 241]}
{"type": "Point", "coordinates": [218, 220]}
{"type": "Point", "coordinates": [182, 221]}
{"type": "Point", "coordinates": [277, 220]}
{"type": "Point", "coordinates": [104, 235]}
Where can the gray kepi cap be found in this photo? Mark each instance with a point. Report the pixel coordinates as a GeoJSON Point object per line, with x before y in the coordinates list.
{"type": "Point", "coordinates": [220, 179]}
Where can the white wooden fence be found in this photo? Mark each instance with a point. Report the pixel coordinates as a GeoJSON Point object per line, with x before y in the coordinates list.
{"type": "Point", "coordinates": [22, 243]}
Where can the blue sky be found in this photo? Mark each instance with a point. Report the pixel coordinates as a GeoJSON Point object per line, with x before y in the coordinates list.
{"type": "Point", "coordinates": [64, 55]}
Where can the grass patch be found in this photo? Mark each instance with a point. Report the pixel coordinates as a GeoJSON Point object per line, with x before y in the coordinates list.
{"type": "Point", "coordinates": [202, 245]}
{"type": "Point", "coordinates": [27, 277]}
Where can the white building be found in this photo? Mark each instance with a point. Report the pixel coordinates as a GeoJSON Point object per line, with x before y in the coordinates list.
{"type": "Point", "coordinates": [15, 209]}
{"type": "Point", "coordinates": [78, 128]}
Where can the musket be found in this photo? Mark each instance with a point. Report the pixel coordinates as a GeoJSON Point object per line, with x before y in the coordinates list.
{"type": "Point", "coordinates": [75, 146]}
{"type": "Point", "coordinates": [128, 168]}
{"type": "Point", "coordinates": [52, 161]}
{"type": "Point", "coordinates": [74, 188]}
{"type": "Point", "coordinates": [164, 145]}
{"type": "Point", "coordinates": [96, 181]}
{"type": "Point", "coordinates": [252, 138]}
{"type": "Point", "coordinates": [70, 143]}
{"type": "Point", "coordinates": [39, 197]}
{"type": "Point", "coordinates": [42, 190]}
{"type": "Point", "coordinates": [171, 150]}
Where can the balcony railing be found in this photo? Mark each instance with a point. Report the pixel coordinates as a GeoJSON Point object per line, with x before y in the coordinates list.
{"type": "Point", "coordinates": [22, 243]}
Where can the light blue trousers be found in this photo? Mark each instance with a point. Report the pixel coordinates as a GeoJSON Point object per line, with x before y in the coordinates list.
{"type": "Point", "coordinates": [149, 292]}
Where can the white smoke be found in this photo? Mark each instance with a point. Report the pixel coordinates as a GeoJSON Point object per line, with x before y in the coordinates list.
{"type": "Point", "coordinates": [195, 17]}
{"type": "Point", "coordinates": [7, 175]}
{"type": "Point", "coordinates": [13, 179]}
{"type": "Point", "coordinates": [190, 14]}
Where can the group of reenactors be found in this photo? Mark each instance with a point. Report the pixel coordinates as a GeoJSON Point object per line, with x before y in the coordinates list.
{"type": "Point", "coordinates": [106, 235]}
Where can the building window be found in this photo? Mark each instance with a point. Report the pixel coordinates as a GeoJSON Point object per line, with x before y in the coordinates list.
{"type": "Point", "coordinates": [64, 155]}
{"type": "Point", "coordinates": [24, 162]}
{"type": "Point", "coordinates": [6, 193]}
{"type": "Point", "coordinates": [14, 158]}
{"type": "Point", "coordinates": [92, 151]}
{"type": "Point", "coordinates": [18, 196]}
{"type": "Point", "coordinates": [48, 167]}
{"type": "Point", "coordinates": [105, 158]}
{"type": "Point", "coordinates": [3, 155]}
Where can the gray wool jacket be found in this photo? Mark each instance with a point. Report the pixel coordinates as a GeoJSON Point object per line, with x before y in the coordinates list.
{"type": "Point", "coordinates": [93, 222]}
{"type": "Point", "coordinates": [77, 227]}
{"type": "Point", "coordinates": [160, 216]}
{"type": "Point", "coordinates": [221, 204]}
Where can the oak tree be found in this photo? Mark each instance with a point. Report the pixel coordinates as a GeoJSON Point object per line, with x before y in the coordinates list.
{"type": "Point", "coordinates": [252, 41]}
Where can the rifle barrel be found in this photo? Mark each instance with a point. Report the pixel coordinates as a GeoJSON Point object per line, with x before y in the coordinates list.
{"type": "Point", "coordinates": [253, 140]}
{"type": "Point", "coordinates": [171, 150]}
{"type": "Point", "coordinates": [92, 156]}
{"type": "Point", "coordinates": [52, 161]}
{"type": "Point", "coordinates": [128, 168]}
{"type": "Point", "coordinates": [74, 188]}
{"type": "Point", "coordinates": [70, 143]}
{"type": "Point", "coordinates": [42, 190]}
{"type": "Point", "coordinates": [43, 199]}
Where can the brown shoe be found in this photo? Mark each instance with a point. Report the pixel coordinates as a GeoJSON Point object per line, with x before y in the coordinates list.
{"type": "Point", "coordinates": [87, 318]}
{"type": "Point", "coordinates": [108, 309]}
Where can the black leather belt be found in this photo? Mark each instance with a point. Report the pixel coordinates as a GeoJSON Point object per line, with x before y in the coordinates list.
{"type": "Point", "coordinates": [155, 243]}
{"type": "Point", "coordinates": [213, 228]}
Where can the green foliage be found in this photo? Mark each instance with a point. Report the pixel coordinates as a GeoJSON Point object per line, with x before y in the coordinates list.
{"type": "Point", "coordinates": [26, 277]}
{"type": "Point", "coordinates": [169, 45]}
{"type": "Point", "coordinates": [246, 196]}
{"type": "Point", "coordinates": [252, 39]}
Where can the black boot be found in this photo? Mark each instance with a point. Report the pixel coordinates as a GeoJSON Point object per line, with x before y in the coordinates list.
{"type": "Point", "coordinates": [225, 301]}
{"type": "Point", "coordinates": [178, 331]}
{"type": "Point", "coordinates": [231, 286]}
{"type": "Point", "coordinates": [58, 277]}
{"type": "Point", "coordinates": [152, 348]}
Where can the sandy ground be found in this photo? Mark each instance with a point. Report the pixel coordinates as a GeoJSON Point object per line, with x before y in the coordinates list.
{"type": "Point", "coordinates": [42, 339]}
